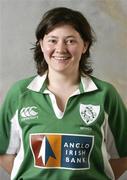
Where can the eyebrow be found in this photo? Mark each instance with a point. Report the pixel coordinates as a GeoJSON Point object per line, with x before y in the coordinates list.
{"type": "Point", "coordinates": [70, 36]}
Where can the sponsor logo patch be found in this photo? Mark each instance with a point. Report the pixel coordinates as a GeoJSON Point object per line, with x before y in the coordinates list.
{"type": "Point", "coordinates": [89, 113]}
{"type": "Point", "coordinates": [61, 150]}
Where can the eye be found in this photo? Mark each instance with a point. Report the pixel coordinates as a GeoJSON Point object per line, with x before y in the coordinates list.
{"type": "Point", "coordinates": [52, 41]}
{"type": "Point", "coordinates": [70, 41]}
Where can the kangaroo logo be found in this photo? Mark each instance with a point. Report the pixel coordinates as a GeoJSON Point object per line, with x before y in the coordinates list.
{"type": "Point", "coordinates": [29, 112]}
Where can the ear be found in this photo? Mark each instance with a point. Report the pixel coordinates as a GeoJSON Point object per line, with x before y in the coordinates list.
{"type": "Point", "coordinates": [86, 45]}
{"type": "Point", "coordinates": [41, 44]}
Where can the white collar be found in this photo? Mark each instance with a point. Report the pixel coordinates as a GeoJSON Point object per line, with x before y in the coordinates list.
{"type": "Point", "coordinates": [38, 82]}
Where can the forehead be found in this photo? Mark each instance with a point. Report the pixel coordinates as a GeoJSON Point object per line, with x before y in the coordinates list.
{"type": "Point", "coordinates": [63, 30]}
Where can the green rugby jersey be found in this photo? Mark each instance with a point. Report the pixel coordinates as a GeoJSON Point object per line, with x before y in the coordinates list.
{"type": "Point", "coordinates": [70, 145]}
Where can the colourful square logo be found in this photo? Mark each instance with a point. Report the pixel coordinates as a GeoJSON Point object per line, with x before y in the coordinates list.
{"type": "Point", "coordinates": [61, 150]}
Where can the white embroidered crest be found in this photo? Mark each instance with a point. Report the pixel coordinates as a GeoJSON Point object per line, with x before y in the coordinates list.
{"type": "Point", "coordinates": [89, 113]}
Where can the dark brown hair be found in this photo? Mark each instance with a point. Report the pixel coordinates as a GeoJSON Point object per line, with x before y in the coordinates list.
{"type": "Point", "coordinates": [56, 17]}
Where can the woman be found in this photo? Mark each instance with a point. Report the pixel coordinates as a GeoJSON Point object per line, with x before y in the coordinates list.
{"type": "Point", "coordinates": [62, 124]}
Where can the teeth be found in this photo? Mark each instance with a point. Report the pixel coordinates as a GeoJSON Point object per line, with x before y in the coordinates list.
{"type": "Point", "coordinates": [61, 58]}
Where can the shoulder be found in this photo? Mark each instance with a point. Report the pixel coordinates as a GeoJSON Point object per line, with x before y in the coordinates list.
{"type": "Point", "coordinates": [10, 103]}
{"type": "Point", "coordinates": [21, 85]}
{"type": "Point", "coordinates": [103, 85]}
{"type": "Point", "coordinates": [108, 92]}
{"type": "Point", "coordinates": [107, 89]}
{"type": "Point", "coordinates": [17, 89]}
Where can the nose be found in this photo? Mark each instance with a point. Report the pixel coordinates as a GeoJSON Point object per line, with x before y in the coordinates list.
{"type": "Point", "coordinates": [61, 47]}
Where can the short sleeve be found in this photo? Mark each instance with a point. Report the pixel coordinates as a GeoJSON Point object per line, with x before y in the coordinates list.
{"type": "Point", "coordinates": [117, 120]}
{"type": "Point", "coordinates": [8, 127]}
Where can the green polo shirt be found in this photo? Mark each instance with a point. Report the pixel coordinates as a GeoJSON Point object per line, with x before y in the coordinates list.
{"type": "Point", "coordinates": [70, 145]}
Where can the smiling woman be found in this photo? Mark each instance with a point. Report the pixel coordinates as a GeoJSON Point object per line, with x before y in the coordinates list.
{"type": "Point", "coordinates": [62, 49]}
{"type": "Point", "coordinates": [63, 18]}
{"type": "Point", "coordinates": [62, 122]}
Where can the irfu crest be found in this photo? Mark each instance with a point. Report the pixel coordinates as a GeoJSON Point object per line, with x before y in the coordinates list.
{"type": "Point", "coordinates": [89, 113]}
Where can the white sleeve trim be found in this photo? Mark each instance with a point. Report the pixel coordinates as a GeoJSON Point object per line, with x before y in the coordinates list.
{"type": "Point", "coordinates": [16, 145]}
{"type": "Point", "coordinates": [107, 168]}
{"type": "Point", "coordinates": [14, 142]}
{"type": "Point", "coordinates": [110, 142]}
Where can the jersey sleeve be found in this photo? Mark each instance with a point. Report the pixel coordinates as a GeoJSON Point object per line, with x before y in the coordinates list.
{"type": "Point", "coordinates": [8, 131]}
{"type": "Point", "coordinates": [117, 119]}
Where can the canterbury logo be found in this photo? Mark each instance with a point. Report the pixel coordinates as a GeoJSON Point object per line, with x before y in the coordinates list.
{"type": "Point", "coordinates": [28, 112]}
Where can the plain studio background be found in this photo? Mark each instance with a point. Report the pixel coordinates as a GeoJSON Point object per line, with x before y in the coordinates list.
{"type": "Point", "coordinates": [18, 21]}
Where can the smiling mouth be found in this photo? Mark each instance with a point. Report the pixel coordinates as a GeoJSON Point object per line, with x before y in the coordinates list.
{"type": "Point", "coordinates": [61, 58]}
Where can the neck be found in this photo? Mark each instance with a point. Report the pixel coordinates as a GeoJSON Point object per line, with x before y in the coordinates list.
{"type": "Point", "coordinates": [62, 86]}
{"type": "Point", "coordinates": [62, 80]}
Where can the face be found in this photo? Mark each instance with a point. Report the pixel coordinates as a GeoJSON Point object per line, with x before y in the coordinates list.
{"type": "Point", "coordinates": [62, 49]}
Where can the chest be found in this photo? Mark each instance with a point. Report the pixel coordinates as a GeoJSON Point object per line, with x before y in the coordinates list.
{"type": "Point", "coordinates": [40, 113]}
{"type": "Point", "coordinates": [68, 136]}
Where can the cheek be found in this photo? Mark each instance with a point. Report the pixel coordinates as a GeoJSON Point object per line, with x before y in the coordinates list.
{"type": "Point", "coordinates": [75, 51]}
{"type": "Point", "coordinates": [47, 51]}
